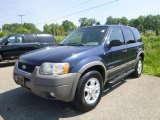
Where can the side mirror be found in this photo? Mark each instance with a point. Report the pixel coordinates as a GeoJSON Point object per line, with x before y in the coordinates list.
{"type": "Point", "coordinates": [114, 43]}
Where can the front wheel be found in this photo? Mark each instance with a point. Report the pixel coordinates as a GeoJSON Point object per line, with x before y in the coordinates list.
{"type": "Point", "coordinates": [89, 91]}
{"type": "Point", "coordinates": [139, 67]}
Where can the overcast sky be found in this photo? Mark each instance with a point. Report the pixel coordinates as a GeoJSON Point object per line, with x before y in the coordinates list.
{"type": "Point", "coordinates": [40, 12]}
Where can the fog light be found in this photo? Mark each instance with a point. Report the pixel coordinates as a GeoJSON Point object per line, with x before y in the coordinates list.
{"type": "Point", "coordinates": [52, 94]}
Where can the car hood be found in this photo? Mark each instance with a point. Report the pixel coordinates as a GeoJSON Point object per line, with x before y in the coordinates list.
{"type": "Point", "coordinates": [52, 54]}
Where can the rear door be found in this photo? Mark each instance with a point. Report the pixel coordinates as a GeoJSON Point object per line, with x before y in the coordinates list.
{"type": "Point", "coordinates": [116, 56]}
{"type": "Point", "coordinates": [131, 46]}
{"type": "Point", "coordinates": [11, 47]}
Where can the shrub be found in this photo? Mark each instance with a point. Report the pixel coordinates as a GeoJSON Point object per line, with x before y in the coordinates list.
{"type": "Point", "coordinates": [152, 56]}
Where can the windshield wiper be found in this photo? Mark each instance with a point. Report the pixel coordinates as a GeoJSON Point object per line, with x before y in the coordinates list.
{"type": "Point", "coordinates": [75, 44]}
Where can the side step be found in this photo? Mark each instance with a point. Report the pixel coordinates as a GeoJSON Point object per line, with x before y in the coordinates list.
{"type": "Point", "coordinates": [120, 77]}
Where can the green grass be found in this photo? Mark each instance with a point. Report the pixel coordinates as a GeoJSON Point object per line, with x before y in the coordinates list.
{"type": "Point", "coordinates": [152, 54]}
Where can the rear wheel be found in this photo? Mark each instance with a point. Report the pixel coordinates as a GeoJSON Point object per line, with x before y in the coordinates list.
{"type": "Point", "coordinates": [89, 91]}
{"type": "Point", "coordinates": [139, 67]}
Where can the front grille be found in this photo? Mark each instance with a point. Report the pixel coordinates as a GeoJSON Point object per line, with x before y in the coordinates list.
{"type": "Point", "coordinates": [26, 67]}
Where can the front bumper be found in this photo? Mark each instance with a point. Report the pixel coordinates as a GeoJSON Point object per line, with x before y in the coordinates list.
{"type": "Point", "coordinates": [63, 86]}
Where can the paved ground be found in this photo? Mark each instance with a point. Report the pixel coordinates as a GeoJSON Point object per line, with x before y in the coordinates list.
{"type": "Point", "coordinates": [131, 99]}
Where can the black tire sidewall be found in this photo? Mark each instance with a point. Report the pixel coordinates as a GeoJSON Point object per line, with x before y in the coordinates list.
{"type": "Point", "coordinates": [79, 99]}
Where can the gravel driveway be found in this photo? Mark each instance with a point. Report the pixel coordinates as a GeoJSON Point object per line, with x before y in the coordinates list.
{"type": "Point", "coordinates": [131, 99]}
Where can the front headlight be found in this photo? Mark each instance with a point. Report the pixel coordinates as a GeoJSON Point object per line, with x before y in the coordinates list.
{"type": "Point", "coordinates": [54, 68]}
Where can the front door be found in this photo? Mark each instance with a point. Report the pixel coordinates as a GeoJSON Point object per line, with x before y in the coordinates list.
{"type": "Point", "coordinates": [116, 56]}
{"type": "Point", "coordinates": [11, 48]}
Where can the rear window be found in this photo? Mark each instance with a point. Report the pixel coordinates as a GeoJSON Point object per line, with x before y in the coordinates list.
{"type": "Point", "coordinates": [46, 39]}
{"type": "Point", "coordinates": [128, 35]}
{"type": "Point", "coordinates": [29, 38]}
{"type": "Point", "coordinates": [137, 35]}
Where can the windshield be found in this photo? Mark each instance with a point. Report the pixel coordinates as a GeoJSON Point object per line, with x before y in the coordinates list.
{"type": "Point", "coordinates": [89, 36]}
{"type": "Point", "coordinates": [1, 39]}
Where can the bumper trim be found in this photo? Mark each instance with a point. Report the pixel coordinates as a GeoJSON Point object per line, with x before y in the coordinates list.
{"type": "Point", "coordinates": [63, 86]}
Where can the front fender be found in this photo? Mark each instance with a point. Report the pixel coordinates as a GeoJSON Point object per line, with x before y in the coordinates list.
{"type": "Point", "coordinates": [86, 63]}
{"type": "Point", "coordinates": [83, 65]}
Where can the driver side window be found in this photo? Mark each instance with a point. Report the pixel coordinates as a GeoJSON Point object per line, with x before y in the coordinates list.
{"type": "Point", "coordinates": [116, 34]}
{"type": "Point", "coordinates": [14, 39]}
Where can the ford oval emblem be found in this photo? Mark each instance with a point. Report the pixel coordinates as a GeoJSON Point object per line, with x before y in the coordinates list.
{"type": "Point", "coordinates": [24, 67]}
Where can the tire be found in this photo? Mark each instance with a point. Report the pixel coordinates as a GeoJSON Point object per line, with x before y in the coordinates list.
{"type": "Point", "coordinates": [89, 91]}
{"type": "Point", "coordinates": [138, 69]}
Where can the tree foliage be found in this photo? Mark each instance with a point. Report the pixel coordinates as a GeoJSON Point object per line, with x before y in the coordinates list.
{"type": "Point", "coordinates": [18, 28]}
{"type": "Point", "coordinates": [144, 24]}
{"type": "Point", "coordinates": [31, 27]}
{"type": "Point", "coordinates": [87, 22]}
{"type": "Point", "coordinates": [65, 28]}
{"type": "Point", "coordinates": [68, 26]}
{"type": "Point", "coordinates": [111, 20]}
{"type": "Point", "coordinates": [54, 29]}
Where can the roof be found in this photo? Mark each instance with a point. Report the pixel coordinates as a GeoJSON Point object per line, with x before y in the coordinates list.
{"type": "Point", "coordinates": [110, 26]}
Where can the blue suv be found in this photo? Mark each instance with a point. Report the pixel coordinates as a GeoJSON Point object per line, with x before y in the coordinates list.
{"type": "Point", "coordinates": [82, 64]}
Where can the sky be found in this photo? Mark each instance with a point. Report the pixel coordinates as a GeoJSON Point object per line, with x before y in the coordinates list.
{"type": "Point", "coordinates": [42, 12]}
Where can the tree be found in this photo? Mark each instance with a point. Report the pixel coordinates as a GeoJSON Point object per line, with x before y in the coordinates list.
{"type": "Point", "coordinates": [47, 29]}
{"type": "Point", "coordinates": [124, 21]}
{"type": "Point", "coordinates": [4, 33]}
{"type": "Point", "coordinates": [149, 22]}
{"type": "Point", "coordinates": [87, 22]}
{"type": "Point", "coordinates": [98, 23]}
{"type": "Point", "coordinates": [11, 27]}
{"type": "Point", "coordinates": [54, 29]}
{"type": "Point", "coordinates": [31, 27]}
{"type": "Point", "coordinates": [15, 27]}
{"type": "Point", "coordinates": [83, 22]}
{"type": "Point", "coordinates": [68, 26]}
{"type": "Point", "coordinates": [111, 20]}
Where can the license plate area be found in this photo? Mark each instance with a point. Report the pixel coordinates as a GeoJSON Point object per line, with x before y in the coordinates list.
{"type": "Point", "coordinates": [19, 79]}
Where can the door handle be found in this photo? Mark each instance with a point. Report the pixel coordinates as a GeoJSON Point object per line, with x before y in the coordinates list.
{"type": "Point", "coordinates": [124, 51]}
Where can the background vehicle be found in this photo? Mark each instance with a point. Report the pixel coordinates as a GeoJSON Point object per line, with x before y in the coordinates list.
{"type": "Point", "coordinates": [14, 45]}
{"type": "Point", "coordinates": [85, 61]}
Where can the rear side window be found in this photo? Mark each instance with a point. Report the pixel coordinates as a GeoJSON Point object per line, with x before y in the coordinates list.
{"type": "Point", "coordinates": [128, 35]}
{"type": "Point", "coordinates": [29, 38]}
{"type": "Point", "coordinates": [46, 39]}
{"type": "Point", "coordinates": [117, 34]}
{"type": "Point", "coordinates": [137, 35]}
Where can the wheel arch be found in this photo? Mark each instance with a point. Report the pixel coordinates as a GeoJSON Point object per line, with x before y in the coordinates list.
{"type": "Point", "coordinates": [94, 65]}
{"type": "Point", "coordinates": [141, 54]}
